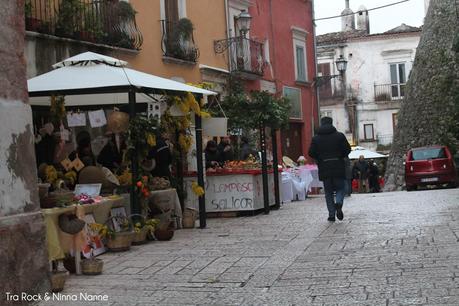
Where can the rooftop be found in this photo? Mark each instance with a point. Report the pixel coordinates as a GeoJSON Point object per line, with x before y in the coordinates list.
{"type": "Point", "coordinates": [341, 37]}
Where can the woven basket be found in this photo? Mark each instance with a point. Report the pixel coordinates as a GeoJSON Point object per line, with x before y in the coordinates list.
{"type": "Point", "coordinates": [58, 279]}
{"type": "Point", "coordinates": [120, 242]}
{"type": "Point", "coordinates": [92, 266]}
{"type": "Point", "coordinates": [70, 224]}
{"type": "Point", "coordinates": [189, 218]}
{"type": "Point", "coordinates": [140, 237]}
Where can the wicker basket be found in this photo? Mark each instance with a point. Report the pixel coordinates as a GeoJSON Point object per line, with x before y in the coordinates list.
{"type": "Point", "coordinates": [71, 224]}
{"type": "Point", "coordinates": [189, 218]}
{"type": "Point", "coordinates": [92, 266]}
{"type": "Point", "coordinates": [58, 279]}
{"type": "Point", "coordinates": [140, 237]}
{"type": "Point", "coordinates": [120, 242]}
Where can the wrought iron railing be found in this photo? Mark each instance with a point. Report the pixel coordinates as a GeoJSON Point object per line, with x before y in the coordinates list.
{"type": "Point", "coordinates": [109, 22]}
{"type": "Point", "coordinates": [247, 56]}
{"type": "Point", "coordinates": [178, 41]}
{"type": "Point", "coordinates": [385, 139]}
{"type": "Point", "coordinates": [389, 92]}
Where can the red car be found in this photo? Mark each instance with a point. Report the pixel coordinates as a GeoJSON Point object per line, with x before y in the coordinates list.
{"type": "Point", "coordinates": [430, 166]}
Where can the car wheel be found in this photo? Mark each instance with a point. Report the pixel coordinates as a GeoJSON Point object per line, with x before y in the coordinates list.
{"type": "Point", "coordinates": [411, 187]}
{"type": "Point", "coordinates": [452, 185]}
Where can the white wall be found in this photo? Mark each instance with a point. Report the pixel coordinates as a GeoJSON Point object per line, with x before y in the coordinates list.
{"type": "Point", "coordinates": [369, 64]}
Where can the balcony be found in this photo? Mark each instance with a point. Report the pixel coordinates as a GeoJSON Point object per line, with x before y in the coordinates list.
{"type": "Point", "coordinates": [106, 22]}
{"type": "Point", "coordinates": [178, 41]}
{"type": "Point", "coordinates": [246, 57]}
{"type": "Point", "coordinates": [389, 92]}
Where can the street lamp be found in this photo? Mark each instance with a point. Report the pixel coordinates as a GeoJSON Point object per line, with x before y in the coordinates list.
{"type": "Point", "coordinates": [341, 65]}
{"type": "Point", "coordinates": [243, 24]}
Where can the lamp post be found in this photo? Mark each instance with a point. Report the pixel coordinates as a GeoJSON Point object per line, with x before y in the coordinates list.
{"type": "Point", "coordinates": [243, 21]}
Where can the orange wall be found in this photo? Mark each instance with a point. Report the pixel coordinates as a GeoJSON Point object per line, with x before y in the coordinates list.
{"type": "Point", "coordinates": [208, 18]}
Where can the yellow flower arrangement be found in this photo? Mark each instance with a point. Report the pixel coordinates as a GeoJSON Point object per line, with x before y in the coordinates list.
{"type": "Point", "coordinates": [125, 178]}
{"type": "Point", "coordinates": [50, 174]}
{"type": "Point", "coordinates": [151, 140]}
{"type": "Point", "coordinates": [101, 229]}
{"type": "Point", "coordinates": [71, 176]}
{"type": "Point", "coordinates": [197, 190]}
{"type": "Point", "coordinates": [185, 142]}
{"type": "Point", "coordinates": [205, 114]}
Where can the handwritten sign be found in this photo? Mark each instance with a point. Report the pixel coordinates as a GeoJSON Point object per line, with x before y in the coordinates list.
{"type": "Point", "coordinates": [241, 192]}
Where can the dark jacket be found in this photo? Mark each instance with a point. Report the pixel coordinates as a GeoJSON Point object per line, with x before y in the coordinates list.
{"type": "Point", "coordinates": [329, 148]}
{"type": "Point", "coordinates": [110, 157]}
{"type": "Point", "coordinates": [362, 168]}
{"type": "Point", "coordinates": [225, 156]}
{"type": "Point", "coordinates": [163, 159]}
{"type": "Point", "coordinates": [212, 156]}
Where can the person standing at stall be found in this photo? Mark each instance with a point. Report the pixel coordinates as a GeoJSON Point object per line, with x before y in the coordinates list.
{"type": "Point", "coordinates": [329, 148]}
{"type": "Point", "coordinates": [374, 177]}
{"type": "Point", "coordinates": [162, 156]}
{"type": "Point", "coordinates": [225, 150]}
{"type": "Point", "coordinates": [362, 169]}
{"type": "Point", "coordinates": [213, 158]}
{"type": "Point", "coordinates": [111, 155]}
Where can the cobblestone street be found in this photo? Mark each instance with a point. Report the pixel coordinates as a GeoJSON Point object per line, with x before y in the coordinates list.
{"type": "Point", "coordinates": [391, 249]}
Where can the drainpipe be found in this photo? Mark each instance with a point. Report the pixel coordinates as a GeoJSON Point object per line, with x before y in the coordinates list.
{"type": "Point", "coordinates": [315, 67]}
{"type": "Point", "coordinates": [228, 51]}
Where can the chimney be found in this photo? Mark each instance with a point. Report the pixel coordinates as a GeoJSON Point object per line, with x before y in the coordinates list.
{"type": "Point", "coordinates": [363, 20]}
{"type": "Point", "coordinates": [347, 19]}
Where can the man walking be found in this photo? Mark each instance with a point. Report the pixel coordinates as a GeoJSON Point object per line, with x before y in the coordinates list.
{"type": "Point", "coordinates": [329, 148]}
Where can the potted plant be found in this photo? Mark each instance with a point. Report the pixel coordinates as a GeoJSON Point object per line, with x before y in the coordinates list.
{"type": "Point", "coordinates": [116, 241]}
{"type": "Point", "coordinates": [143, 228]}
{"type": "Point", "coordinates": [32, 24]}
{"type": "Point", "coordinates": [180, 41]}
{"type": "Point", "coordinates": [67, 17]}
{"type": "Point", "coordinates": [92, 29]}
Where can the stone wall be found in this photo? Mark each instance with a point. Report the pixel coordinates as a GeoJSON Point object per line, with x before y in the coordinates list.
{"type": "Point", "coordinates": [429, 114]}
{"type": "Point", "coordinates": [23, 265]}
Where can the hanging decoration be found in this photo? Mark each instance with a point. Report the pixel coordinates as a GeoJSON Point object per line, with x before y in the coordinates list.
{"type": "Point", "coordinates": [57, 109]}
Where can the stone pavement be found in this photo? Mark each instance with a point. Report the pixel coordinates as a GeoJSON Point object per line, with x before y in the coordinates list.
{"type": "Point", "coordinates": [391, 249]}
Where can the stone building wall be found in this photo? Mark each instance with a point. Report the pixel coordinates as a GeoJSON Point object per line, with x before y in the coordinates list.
{"type": "Point", "coordinates": [429, 114]}
{"type": "Point", "coordinates": [23, 255]}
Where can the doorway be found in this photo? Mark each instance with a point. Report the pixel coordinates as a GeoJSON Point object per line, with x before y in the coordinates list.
{"type": "Point", "coordinates": [292, 141]}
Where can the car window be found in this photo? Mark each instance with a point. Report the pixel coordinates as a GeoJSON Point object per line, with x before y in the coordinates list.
{"type": "Point", "coordinates": [431, 153]}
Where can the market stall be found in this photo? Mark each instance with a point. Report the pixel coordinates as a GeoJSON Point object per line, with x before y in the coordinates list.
{"type": "Point", "coordinates": [80, 94]}
{"type": "Point", "coordinates": [231, 190]}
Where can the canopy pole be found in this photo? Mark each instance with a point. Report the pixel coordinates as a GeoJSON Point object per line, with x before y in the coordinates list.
{"type": "Point", "coordinates": [135, 209]}
{"type": "Point", "coordinates": [202, 199]}
{"type": "Point", "coordinates": [264, 169]}
{"type": "Point", "coordinates": [275, 168]}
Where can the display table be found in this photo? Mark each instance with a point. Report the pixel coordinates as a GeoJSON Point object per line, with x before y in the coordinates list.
{"type": "Point", "coordinates": [60, 243]}
{"type": "Point", "coordinates": [231, 190]}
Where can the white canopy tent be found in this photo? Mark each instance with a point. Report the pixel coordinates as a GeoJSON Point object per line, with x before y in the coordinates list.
{"type": "Point", "coordinates": [358, 151]}
{"type": "Point", "coordinates": [94, 79]}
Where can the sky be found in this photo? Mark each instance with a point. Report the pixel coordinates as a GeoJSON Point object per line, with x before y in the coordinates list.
{"type": "Point", "coordinates": [411, 13]}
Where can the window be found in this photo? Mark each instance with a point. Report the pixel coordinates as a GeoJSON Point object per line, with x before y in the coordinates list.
{"type": "Point", "coordinates": [299, 54]}
{"type": "Point", "coordinates": [300, 64]}
{"type": "Point", "coordinates": [368, 132]}
{"type": "Point", "coordinates": [397, 80]}
{"type": "Point", "coordinates": [294, 96]}
{"type": "Point", "coordinates": [325, 88]}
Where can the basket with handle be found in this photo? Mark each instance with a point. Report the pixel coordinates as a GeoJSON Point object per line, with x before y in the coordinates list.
{"type": "Point", "coordinates": [92, 265]}
{"type": "Point", "coordinates": [122, 240]}
{"type": "Point", "coordinates": [139, 237]}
